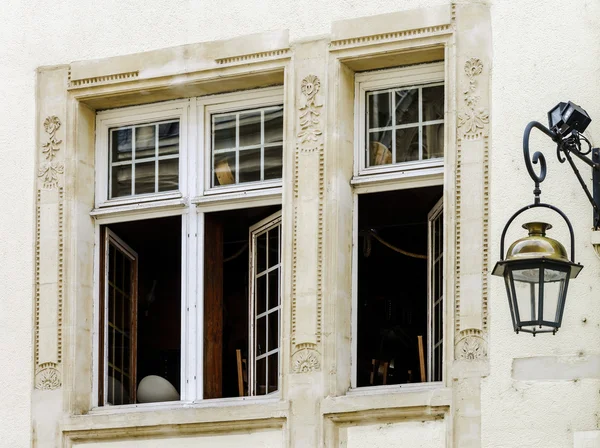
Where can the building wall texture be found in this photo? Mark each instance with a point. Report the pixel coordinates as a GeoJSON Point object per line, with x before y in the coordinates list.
{"type": "Point", "coordinates": [542, 53]}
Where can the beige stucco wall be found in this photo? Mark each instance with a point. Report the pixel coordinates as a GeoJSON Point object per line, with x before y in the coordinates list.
{"type": "Point", "coordinates": [536, 63]}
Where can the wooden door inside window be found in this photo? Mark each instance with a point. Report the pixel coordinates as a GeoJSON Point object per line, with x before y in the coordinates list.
{"type": "Point", "coordinates": [119, 321]}
{"type": "Point", "coordinates": [265, 305]}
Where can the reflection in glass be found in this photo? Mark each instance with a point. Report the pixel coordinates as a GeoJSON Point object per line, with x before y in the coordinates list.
{"type": "Point", "coordinates": [407, 144]}
{"type": "Point", "coordinates": [433, 103]}
{"type": "Point", "coordinates": [224, 131]}
{"type": "Point", "coordinates": [145, 141]}
{"type": "Point", "coordinates": [274, 125]}
{"type": "Point", "coordinates": [145, 173]}
{"type": "Point", "coordinates": [168, 174]}
{"type": "Point", "coordinates": [121, 181]}
{"type": "Point", "coordinates": [249, 167]}
{"type": "Point", "coordinates": [121, 145]}
{"type": "Point", "coordinates": [379, 112]}
{"type": "Point", "coordinates": [168, 138]}
{"type": "Point", "coordinates": [250, 124]}
{"type": "Point", "coordinates": [433, 141]}
{"type": "Point", "coordinates": [407, 106]}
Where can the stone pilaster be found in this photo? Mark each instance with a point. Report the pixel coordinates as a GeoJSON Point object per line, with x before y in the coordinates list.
{"type": "Point", "coordinates": [49, 256]}
{"type": "Point", "coordinates": [305, 382]}
{"type": "Point", "coordinates": [471, 232]}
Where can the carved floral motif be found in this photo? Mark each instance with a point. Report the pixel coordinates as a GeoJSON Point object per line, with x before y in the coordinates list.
{"type": "Point", "coordinates": [309, 112]}
{"type": "Point", "coordinates": [474, 118]}
{"type": "Point", "coordinates": [471, 346]}
{"type": "Point", "coordinates": [306, 361]}
{"type": "Point", "coordinates": [47, 379]}
{"type": "Point", "coordinates": [50, 169]}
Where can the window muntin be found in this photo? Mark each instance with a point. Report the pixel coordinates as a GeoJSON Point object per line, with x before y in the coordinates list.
{"type": "Point", "coordinates": [404, 124]}
{"type": "Point", "coordinates": [246, 146]}
{"type": "Point", "coordinates": [143, 159]}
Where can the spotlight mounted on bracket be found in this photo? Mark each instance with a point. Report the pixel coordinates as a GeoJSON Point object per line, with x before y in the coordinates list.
{"type": "Point", "coordinates": [536, 269]}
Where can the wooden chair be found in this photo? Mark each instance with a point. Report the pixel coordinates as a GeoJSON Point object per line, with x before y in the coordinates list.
{"type": "Point", "coordinates": [242, 372]}
{"type": "Point", "coordinates": [380, 370]}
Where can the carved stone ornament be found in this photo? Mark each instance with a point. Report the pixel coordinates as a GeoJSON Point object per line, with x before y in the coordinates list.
{"type": "Point", "coordinates": [50, 169]}
{"type": "Point", "coordinates": [310, 116]}
{"type": "Point", "coordinates": [471, 346]}
{"type": "Point", "coordinates": [473, 119]}
{"type": "Point", "coordinates": [306, 361]}
{"type": "Point", "coordinates": [48, 378]}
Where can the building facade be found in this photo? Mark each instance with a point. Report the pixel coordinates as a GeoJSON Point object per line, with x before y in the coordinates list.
{"type": "Point", "coordinates": [276, 226]}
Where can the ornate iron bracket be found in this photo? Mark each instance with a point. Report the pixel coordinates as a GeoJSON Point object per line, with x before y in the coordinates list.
{"type": "Point", "coordinates": [565, 148]}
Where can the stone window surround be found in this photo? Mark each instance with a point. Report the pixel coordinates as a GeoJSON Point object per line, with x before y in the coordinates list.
{"type": "Point", "coordinates": [84, 87]}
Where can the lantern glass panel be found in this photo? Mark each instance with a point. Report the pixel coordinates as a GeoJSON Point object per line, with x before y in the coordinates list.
{"type": "Point", "coordinates": [527, 293]}
{"type": "Point", "coordinates": [555, 283]}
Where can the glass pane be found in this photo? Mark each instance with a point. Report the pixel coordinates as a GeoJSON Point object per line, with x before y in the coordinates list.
{"type": "Point", "coordinates": [261, 336]}
{"type": "Point", "coordinates": [407, 144]}
{"type": "Point", "coordinates": [120, 181]}
{"type": "Point", "coordinates": [433, 141]}
{"type": "Point", "coordinates": [168, 138]}
{"type": "Point", "coordinates": [260, 377]}
{"type": "Point", "coordinates": [144, 177]}
{"type": "Point", "coordinates": [273, 372]}
{"type": "Point", "coordinates": [527, 293]}
{"type": "Point", "coordinates": [224, 131]}
{"type": "Point", "coordinates": [274, 246]}
{"type": "Point", "coordinates": [119, 311]}
{"type": "Point", "coordinates": [261, 253]}
{"type": "Point", "coordinates": [249, 165]}
{"type": "Point", "coordinates": [168, 174]}
{"type": "Point", "coordinates": [273, 288]}
{"type": "Point", "coordinates": [145, 141]}
{"type": "Point", "coordinates": [379, 112]}
{"type": "Point", "coordinates": [224, 169]}
{"type": "Point", "coordinates": [121, 145]}
{"type": "Point", "coordinates": [273, 162]}
{"type": "Point", "coordinates": [250, 125]}
{"type": "Point", "coordinates": [554, 284]}
{"type": "Point", "coordinates": [126, 275]}
{"type": "Point", "coordinates": [380, 144]}
{"type": "Point", "coordinates": [407, 106]}
{"type": "Point", "coordinates": [261, 294]}
{"type": "Point", "coordinates": [274, 125]}
{"type": "Point", "coordinates": [273, 319]}
{"type": "Point", "coordinates": [433, 103]}
{"type": "Point", "coordinates": [119, 270]}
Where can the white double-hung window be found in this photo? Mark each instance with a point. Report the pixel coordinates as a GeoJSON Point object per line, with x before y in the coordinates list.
{"type": "Point", "coordinates": [188, 254]}
{"type": "Point", "coordinates": [398, 259]}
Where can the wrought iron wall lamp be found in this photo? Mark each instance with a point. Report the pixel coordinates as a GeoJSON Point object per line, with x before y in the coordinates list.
{"type": "Point", "coordinates": [536, 269]}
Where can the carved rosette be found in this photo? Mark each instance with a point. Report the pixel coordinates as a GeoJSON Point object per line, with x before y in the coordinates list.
{"type": "Point", "coordinates": [306, 360]}
{"type": "Point", "coordinates": [48, 377]}
{"type": "Point", "coordinates": [473, 118]}
{"type": "Point", "coordinates": [471, 345]}
{"type": "Point", "coordinates": [50, 169]}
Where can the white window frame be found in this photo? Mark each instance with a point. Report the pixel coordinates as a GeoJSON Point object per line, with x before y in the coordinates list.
{"type": "Point", "coordinates": [407, 175]}
{"type": "Point", "coordinates": [232, 102]}
{"type": "Point", "coordinates": [132, 116]}
{"type": "Point", "coordinates": [256, 230]}
{"type": "Point", "coordinates": [191, 202]}
{"type": "Point", "coordinates": [412, 76]}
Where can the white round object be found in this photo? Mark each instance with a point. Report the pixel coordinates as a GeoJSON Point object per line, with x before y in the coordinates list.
{"type": "Point", "coordinates": [153, 389]}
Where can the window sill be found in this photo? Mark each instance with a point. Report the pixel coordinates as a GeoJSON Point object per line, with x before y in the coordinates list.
{"type": "Point", "coordinates": [388, 397]}
{"type": "Point", "coordinates": [179, 413]}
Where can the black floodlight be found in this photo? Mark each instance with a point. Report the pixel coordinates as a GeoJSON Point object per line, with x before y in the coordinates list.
{"type": "Point", "coordinates": [566, 117]}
